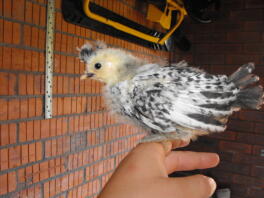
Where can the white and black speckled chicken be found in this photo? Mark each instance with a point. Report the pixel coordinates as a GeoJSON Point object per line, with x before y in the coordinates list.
{"type": "Point", "coordinates": [174, 101]}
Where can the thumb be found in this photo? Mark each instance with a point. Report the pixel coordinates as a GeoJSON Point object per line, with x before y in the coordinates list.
{"type": "Point", "coordinates": [197, 186]}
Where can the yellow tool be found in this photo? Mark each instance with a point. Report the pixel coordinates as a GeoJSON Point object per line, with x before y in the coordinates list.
{"type": "Point", "coordinates": [154, 14]}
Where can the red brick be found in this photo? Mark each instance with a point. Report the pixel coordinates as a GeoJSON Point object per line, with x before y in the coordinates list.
{"type": "Point", "coordinates": [77, 85]}
{"type": "Point", "coordinates": [44, 173]}
{"type": "Point", "coordinates": [53, 147]}
{"type": "Point", "coordinates": [4, 159]}
{"type": "Point", "coordinates": [22, 131]}
{"type": "Point", "coordinates": [77, 67]}
{"type": "Point", "coordinates": [70, 47]}
{"type": "Point", "coordinates": [258, 171]}
{"type": "Point", "coordinates": [235, 147]}
{"type": "Point", "coordinates": [64, 27]}
{"type": "Point", "coordinates": [27, 35]}
{"type": "Point", "coordinates": [57, 38]}
{"type": "Point", "coordinates": [48, 149]}
{"type": "Point", "coordinates": [251, 138]}
{"type": "Point", "coordinates": [63, 48]}
{"type": "Point", "coordinates": [64, 182]}
{"type": "Point", "coordinates": [35, 61]}
{"type": "Point", "coordinates": [39, 107]}
{"type": "Point", "coordinates": [241, 126]}
{"type": "Point", "coordinates": [248, 159]}
{"type": "Point", "coordinates": [259, 128]}
{"type": "Point", "coordinates": [67, 105]}
{"type": "Point", "coordinates": [18, 10]}
{"type": "Point", "coordinates": [52, 188]}
{"type": "Point", "coordinates": [12, 131]}
{"type": "Point", "coordinates": [38, 83]}
{"type": "Point", "coordinates": [251, 115]}
{"type": "Point", "coordinates": [30, 131]}
{"type": "Point", "coordinates": [27, 62]}
{"type": "Point", "coordinates": [17, 59]}
{"type": "Point", "coordinates": [14, 156]}
{"type": "Point", "coordinates": [227, 135]}
{"type": "Point", "coordinates": [37, 129]}
{"type": "Point", "coordinates": [24, 154]}
{"type": "Point", "coordinates": [16, 33]}
{"type": "Point", "coordinates": [22, 84]}
{"type": "Point", "coordinates": [257, 150]}
{"type": "Point", "coordinates": [256, 192]}
{"type": "Point", "coordinates": [243, 36]}
{"type": "Point", "coordinates": [71, 85]}
{"type": "Point", "coordinates": [1, 50]}
{"type": "Point", "coordinates": [246, 180]}
{"type": "Point", "coordinates": [11, 181]}
{"type": "Point", "coordinates": [254, 4]}
{"type": "Point", "coordinates": [46, 190]}
{"type": "Point", "coordinates": [60, 84]}
{"type": "Point", "coordinates": [13, 109]}
{"type": "Point", "coordinates": [241, 59]}
{"type": "Point", "coordinates": [41, 62]}
{"type": "Point", "coordinates": [4, 135]}
{"type": "Point", "coordinates": [4, 184]}
{"type": "Point", "coordinates": [8, 31]}
{"type": "Point", "coordinates": [1, 28]}
{"type": "Point", "coordinates": [32, 152]}
{"type": "Point", "coordinates": [253, 48]}
{"type": "Point", "coordinates": [30, 84]}
{"type": "Point", "coordinates": [254, 25]}
{"type": "Point", "coordinates": [59, 106]}
{"type": "Point", "coordinates": [42, 19]}
{"type": "Point", "coordinates": [234, 167]}
{"type": "Point", "coordinates": [255, 15]}
{"type": "Point", "coordinates": [58, 21]}
{"type": "Point", "coordinates": [45, 128]}
{"type": "Point", "coordinates": [7, 60]}
{"type": "Point", "coordinates": [42, 37]}
{"type": "Point", "coordinates": [65, 85]}
{"type": "Point", "coordinates": [4, 83]}
{"type": "Point", "coordinates": [34, 36]}
{"type": "Point", "coordinates": [3, 109]}
{"type": "Point", "coordinates": [12, 84]}
{"type": "Point", "coordinates": [36, 11]}
{"type": "Point", "coordinates": [32, 107]}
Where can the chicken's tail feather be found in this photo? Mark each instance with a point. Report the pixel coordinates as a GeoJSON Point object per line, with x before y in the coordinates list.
{"type": "Point", "coordinates": [248, 96]}
{"type": "Point", "coordinates": [251, 98]}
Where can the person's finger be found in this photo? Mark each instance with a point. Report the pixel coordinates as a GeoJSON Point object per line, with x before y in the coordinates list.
{"type": "Point", "coordinates": [180, 143]}
{"type": "Point", "coordinates": [169, 145]}
{"type": "Point", "coordinates": [197, 186]}
{"type": "Point", "coordinates": [146, 159]}
{"type": "Point", "coordinates": [187, 160]}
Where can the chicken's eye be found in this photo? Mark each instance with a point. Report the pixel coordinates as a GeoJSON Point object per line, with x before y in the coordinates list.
{"type": "Point", "coordinates": [97, 65]}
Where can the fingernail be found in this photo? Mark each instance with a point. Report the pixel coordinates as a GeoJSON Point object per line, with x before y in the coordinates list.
{"type": "Point", "coordinates": [212, 185]}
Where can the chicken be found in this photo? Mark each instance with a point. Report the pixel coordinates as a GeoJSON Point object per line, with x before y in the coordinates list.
{"type": "Point", "coordinates": [173, 102]}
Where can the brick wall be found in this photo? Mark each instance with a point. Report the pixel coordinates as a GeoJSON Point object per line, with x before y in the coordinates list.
{"type": "Point", "coordinates": [235, 38]}
{"type": "Point", "coordinates": [74, 153]}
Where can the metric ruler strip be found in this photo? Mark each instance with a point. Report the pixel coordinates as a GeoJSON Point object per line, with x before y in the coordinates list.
{"type": "Point", "coordinates": [49, 57]}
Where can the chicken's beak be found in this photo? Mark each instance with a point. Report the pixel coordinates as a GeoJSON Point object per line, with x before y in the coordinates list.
{"type": "Point", "coordinates": [86, 75]}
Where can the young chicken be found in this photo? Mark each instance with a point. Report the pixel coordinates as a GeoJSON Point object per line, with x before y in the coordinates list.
{"type": "Point", "coordinates": [174, 101]}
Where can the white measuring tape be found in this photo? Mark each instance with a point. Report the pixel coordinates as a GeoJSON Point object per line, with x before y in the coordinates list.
{"type": "Point", "coordinates": [49, 57]}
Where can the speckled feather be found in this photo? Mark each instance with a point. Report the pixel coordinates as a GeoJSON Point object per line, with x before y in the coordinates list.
{"type": "Point", "coordinates": [162, 98]}
{"type": "Point", "coordinates": [174, 101]}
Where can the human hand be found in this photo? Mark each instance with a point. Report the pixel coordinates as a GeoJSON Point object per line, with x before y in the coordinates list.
{"type": "Point", "coordinates": [144, 173]}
